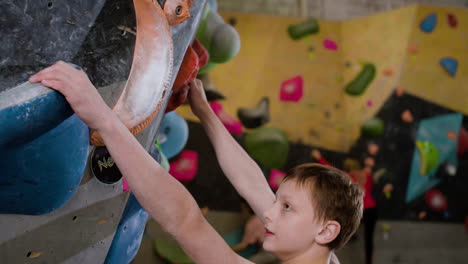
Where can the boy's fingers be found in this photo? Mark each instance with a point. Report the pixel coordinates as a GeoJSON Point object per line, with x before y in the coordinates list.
{"type": "Point", "coordinates": [59, 70]}
{"type": "Point", "coordinates": [54, 84]}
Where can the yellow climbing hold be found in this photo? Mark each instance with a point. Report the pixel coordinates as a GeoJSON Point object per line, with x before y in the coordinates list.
{"type": "Point", "coordinates": [429, 156]}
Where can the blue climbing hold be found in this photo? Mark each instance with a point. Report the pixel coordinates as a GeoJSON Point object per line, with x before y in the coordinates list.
{"type": "Point", "coordinates": [429, 23]}
{"type": "Point", "coordinates": [450, 65]}
{"type": "Point", "coordinates": [173, 134]}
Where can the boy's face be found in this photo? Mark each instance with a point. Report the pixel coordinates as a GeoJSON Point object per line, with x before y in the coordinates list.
{"type": "Point", "coordinates": [291, 224]}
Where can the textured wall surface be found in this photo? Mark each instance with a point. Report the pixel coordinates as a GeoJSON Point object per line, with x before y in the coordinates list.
{"type": "Point", "coordinates": [326, 9]}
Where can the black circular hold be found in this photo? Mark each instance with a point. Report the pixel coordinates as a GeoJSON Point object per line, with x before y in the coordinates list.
{"type": "Point", "coordinates": [50, 5]}
{"type": "Point", "coordinates": [104, 167]}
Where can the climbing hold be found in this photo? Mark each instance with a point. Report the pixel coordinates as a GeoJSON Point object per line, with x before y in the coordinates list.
{"type": "Point", "coordinates": [225, 44]}
{"type": "Point", "coordinates": [360, 83]}
{"type": "Point", "coordinates": [429, 156]}
{"type": "Point", "coordinates": [186, 167]}
{"type": "Point", "coordinates": [373, 149]}
{"type": "Point", "coordinates": [330, 44]}
{"type": "Point", "coordinates": [276, 176]}
{"type": "Point", "coordinates": [452, 20]}
{"type": "Point", "coordinates": [103, 166]}
{"type": "Point", "coordinates": [452, 135]}
{"type": "Point", "coordinates": [173, 134]}
{"type": "Point", "coordinates": [407, 117]}
{"type": "Point", "coordinates": [412, 49]}
{"type": "Point", "coordinates": [308, 27]}
{"type": "Point", "coordinates": [451, 169]}
{"type": "Point", "coordinates": [450, 65]}
{"type": "Point", "coordinates": [436, 200]}
{"type": "Point", "coordinates": [129, 233]}
{"type": "Point", "coordinates": [399, 91]}
{"type": "Point", "coordinates": [292, 89]}
{"type": "Point", "coordinates": [387, 190]}
{"type": "Point", "coordinates": [373, 127]}
{"type": "Point", "coordinates": [311, 54]}
{"type": "Point", "coordinates": [422, 215]}
{"type": "Point", "coordinates": [429, 23]}
{"type": "Point", "coordinates": [255, 117]}
{"type": "Point", "coordinates": [369, 103]}
{"type": "Point", "coordinates": [231, 124]}
{"type": "Point", "coordinates": [269, 146]}
{"type": "Point", "coordinates": [388, 72]}
{"type": "Point", "coordinates": [462, 141]}
{"type": "Point", "coordinates": [34, 254]}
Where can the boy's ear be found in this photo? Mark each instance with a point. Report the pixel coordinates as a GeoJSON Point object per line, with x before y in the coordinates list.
{"type": "Point", "coordinates": [330, 230]}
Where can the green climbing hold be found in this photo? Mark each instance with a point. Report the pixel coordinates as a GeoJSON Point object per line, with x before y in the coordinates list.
{"type": "Point", "coordinates": [373, 127]}
{"type": "Point", "coordinates": [361, 82]}
{"type": "Point", "coordinates": [429, 156]}
{"type": "Point", "coordinates": [308, 27]}
{"type": "Point", "coordinates": [269, 146]}
{"type": "Point", "coordinates": [225, 44]}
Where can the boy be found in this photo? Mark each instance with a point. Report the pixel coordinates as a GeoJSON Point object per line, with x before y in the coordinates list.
{"type": "Point", "coordinates": [316, 208]}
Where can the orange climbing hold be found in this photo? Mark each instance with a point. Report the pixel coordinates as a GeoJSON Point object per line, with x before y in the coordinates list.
{"type": "Point", "coordinates": [399, 91]}
{"type": "Point", "coordinates": [407, 117]}
{"type": "Point", "coordinates": [388, 72]}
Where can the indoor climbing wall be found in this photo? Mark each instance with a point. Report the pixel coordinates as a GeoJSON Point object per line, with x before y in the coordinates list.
{"type": "Point", "coordinates": [269, 59]}
{"type": "Point", "coordinates": [62, 199]}
{"type": "Point", "coordinates": [373, 57]}
{"type": "Point", "coordinates": [343, 71]}
{"type": "Point", "coordinates": [435, 68]}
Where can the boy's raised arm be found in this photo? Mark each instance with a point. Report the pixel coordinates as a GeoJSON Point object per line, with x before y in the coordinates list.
{"type": "Point", "coordinates": [168, 202]}
{"type": "Point", "coordinates": [236, 164]}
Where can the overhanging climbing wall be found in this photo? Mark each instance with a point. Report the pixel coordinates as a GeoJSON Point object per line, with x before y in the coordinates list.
{"type": "Point", "coordinates": [98, 36]}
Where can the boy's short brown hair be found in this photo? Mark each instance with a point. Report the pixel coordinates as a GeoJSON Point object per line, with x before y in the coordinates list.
{"type": "Point", "coordinates": [334, 196]}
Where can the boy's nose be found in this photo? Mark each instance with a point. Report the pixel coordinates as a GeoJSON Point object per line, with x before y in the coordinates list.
{"type": "Point", "coordinates": [268, 215]}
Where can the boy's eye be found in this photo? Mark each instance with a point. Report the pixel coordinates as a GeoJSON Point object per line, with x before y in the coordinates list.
{"type": "Point", "coordinates": [287, 207]}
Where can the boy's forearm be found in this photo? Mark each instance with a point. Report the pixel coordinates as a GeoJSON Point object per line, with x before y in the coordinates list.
{"type": "Point", "coordinates": [241, 170]}
{"type": "Point", "coordinates": [165, 199]}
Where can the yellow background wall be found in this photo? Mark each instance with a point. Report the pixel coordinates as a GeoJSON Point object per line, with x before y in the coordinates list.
{"type": "Point", "coordinates": [326, 116]}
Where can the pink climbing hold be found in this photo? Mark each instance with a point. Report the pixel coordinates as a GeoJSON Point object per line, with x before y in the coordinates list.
{"type": "Point", "coordinates": [276, 176]}
{"type": "Point", "coordinates": [125, 186]}
{"type": "Point", "coordinates": [186, 167]}
{"type": "Point", "coordinates": [232, 125]}
{"type": "Point", "coordinates": [436, 200]}
{"type": "Point", "coordinates": [369, 103]}
{"type": "Point", "coordinates": [330, 44]}
{"type": "Point", "coordinates": [292, 89]}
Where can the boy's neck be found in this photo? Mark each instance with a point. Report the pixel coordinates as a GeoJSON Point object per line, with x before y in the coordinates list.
{"type": "Point", "coordinates": [319, 255]}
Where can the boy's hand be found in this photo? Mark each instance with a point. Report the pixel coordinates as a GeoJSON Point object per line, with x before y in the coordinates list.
{"type": "Point", "coordinates": [197, 97]}
{"type": "Point", "coordinates": [78, 91]}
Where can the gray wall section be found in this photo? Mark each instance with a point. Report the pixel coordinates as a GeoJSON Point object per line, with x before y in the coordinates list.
{"type": "Point", "coordinates": [411, 243]}
{"type": "Point", "coordinates": [326, 9]}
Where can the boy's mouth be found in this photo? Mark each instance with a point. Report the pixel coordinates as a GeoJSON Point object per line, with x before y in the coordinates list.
{"type": "Point", "coordinates": [268, 232]}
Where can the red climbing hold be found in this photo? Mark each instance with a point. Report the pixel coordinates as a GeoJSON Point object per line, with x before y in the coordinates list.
{"type": "Point", "coordinates": [452, 20]}
{"type": "Point", "coordinates": [462, 141]}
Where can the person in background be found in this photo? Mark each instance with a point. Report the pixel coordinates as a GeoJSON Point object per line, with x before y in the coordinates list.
{"type": "Point", "coordinates": [363, 177]}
